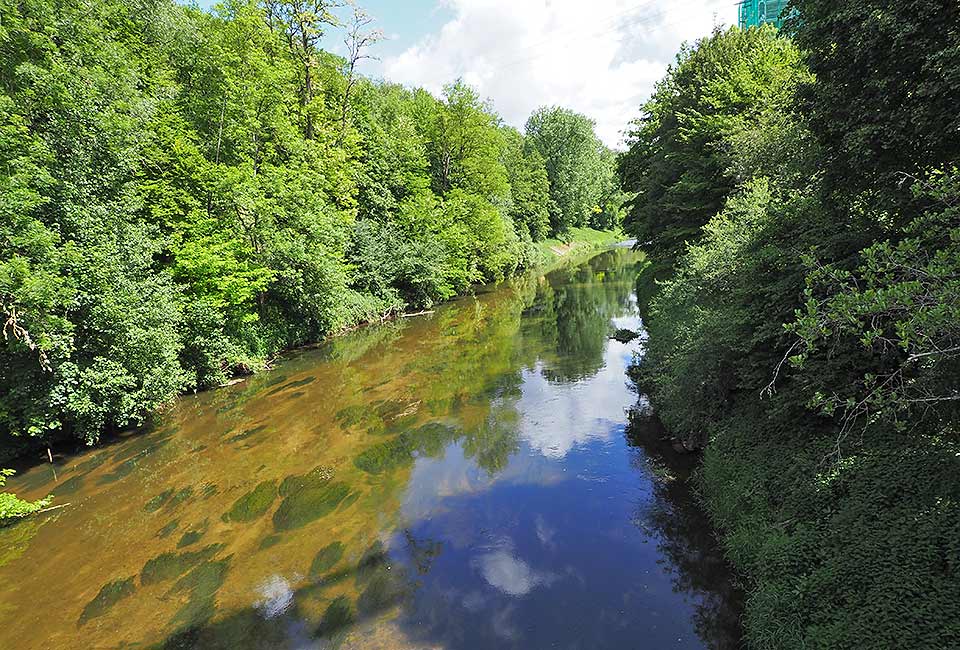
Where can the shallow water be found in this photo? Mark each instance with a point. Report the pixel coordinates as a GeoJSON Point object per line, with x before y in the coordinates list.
{"type": "Point", "coordinates": [461, 480]}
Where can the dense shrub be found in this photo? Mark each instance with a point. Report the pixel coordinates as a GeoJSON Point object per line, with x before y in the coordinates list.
{"type": "Point", "coordinates": [808, 333]}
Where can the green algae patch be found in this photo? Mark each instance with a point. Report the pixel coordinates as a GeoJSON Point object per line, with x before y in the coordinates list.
{"type": "Point", "coordinates": [270, 541]}
{"type": "Point", "coordinates": [202, 583]}
{"type": "Point", "coordinates": [180, 497]}
{"type": "Point", "coordinates": [314, 478]}
{"type": "Point", "coordinates": [273, 381]}
{"type": "Point", "coordinates": [326, 558]}
{"type": "Point", "coordinates": [70, 486]}
{"type": "Point", "coordinates": [308, 498]}
{"type": "Point", "coordinates": [349, 501]}
{"type": "Point", "coordinates": [385, 590]}
{"type": "Point", "coordinates": [169, 529]}
{"type": "Point", "coordinates": [173, 565]}
{"type": "Point", "coordinates": [190, 538]}
{"type": "Point", "coordinates": [352, 415]}
{"type": "Point", "coordinates": [91, 463]}
{"type": "Point", "coordinates": [120, 471]}
{"type": "Point", "coordinates": [338, 616]}
{"type": "Point", "coordinates": [16, 538]}
{"type": "Point", "coordinates": [429, 439]}
{"type": "Point", "coordinates": [253, 504]}
{"type": "Point", "coordinates": [109, 595]}
{"type": "Point", "coordinates": [386, 456]}
{"type": "Point", "coordinates": [249, 433]}
{"type": "Point", "coordinates": [139, 445]}
{"type": "Point", "coordinates": [157, 502]}
{"type": "Point", "coordinates": [292, 384]}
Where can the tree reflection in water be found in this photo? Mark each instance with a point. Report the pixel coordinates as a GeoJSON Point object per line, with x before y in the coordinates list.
{"type": "Point", "coordinates": [684, 532]}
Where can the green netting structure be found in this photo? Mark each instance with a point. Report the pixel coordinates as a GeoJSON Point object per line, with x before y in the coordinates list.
{"type": "Point", "coordinates": [754, 13]}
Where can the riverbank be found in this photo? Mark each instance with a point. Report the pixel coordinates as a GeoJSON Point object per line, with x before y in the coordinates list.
{"type": "Point", "coordinates": [23, 452]}
{"type": "Point", "coordinates": [580, 241]}
{"type": "Point", "coordinates": [428, 483]}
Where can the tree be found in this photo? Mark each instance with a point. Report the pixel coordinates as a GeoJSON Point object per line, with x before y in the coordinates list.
{"type": "Point", "coordinates": [886, 91]}
{"type": "Point", "coordinates": [676, 165]}
{"type": "Point", "coordinates": [303, 22]}
{"type": "Point", "coordinates": [358, 40]}
{"type": "Point", "coordinates": [574, 160]}
{"type": "Point", "coordinates": [529, 186]}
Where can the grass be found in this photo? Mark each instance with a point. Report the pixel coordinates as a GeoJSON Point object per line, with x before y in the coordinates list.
{"type": "Point", "coordinates": [578, 240]}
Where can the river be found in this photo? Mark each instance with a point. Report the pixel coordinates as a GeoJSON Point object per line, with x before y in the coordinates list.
{"type": "Point", "coordinates": [465, 479]}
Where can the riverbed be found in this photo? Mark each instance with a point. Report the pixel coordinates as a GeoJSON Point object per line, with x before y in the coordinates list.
{"type": "Point", "coordinates": [466, 479]}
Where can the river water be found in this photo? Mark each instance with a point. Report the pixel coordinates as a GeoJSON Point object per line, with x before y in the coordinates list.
{"type": "Point", "coordinates": [462, 480]}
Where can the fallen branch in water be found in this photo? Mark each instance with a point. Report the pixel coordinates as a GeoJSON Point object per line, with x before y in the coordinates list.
{"type": "Point", "coordinates": [419, 313]}
{"type": "Point", "coordinates": [62, 505]}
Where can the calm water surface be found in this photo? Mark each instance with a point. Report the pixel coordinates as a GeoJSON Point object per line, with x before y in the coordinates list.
{"type": "Point", "coordinates": [462, 480]}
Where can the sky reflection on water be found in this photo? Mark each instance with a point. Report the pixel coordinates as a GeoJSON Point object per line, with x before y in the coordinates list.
{"type": "Point", "coordinates": [466, 480]}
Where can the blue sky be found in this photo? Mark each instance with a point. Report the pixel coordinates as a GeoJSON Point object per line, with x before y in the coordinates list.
{"type": "Point", "coordinates": [404, 22]}
{"type": "Point", "coordinates": [601, 58]}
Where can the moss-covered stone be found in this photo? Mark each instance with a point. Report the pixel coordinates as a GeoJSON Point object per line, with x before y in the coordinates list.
{"type": "Point", "coordinates": [253, 504]}
{"type": "Point", "coordinates": [326, 558]}
{"type": "Point", "coordinates": [108, 596]}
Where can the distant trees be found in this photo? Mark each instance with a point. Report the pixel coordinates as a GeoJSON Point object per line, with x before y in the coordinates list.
{"type": "Point", "coordinates": [579, 167]}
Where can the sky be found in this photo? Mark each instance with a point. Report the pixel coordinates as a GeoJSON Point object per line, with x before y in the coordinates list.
{"type": "Point", "coordinates": [598, 57]}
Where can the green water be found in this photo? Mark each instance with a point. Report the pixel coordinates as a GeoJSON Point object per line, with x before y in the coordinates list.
{"type": "Point", "coordinates": [466, 479]}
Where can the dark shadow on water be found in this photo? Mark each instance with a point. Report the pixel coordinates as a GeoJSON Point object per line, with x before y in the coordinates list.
{"type": "Point", "coordinates": [686, 534]}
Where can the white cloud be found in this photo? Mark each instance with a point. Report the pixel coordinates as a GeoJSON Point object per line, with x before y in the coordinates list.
{"type": "Point", "coordinates": [600, 58]}
{"type": "Point", "coordinates": [508, 573]}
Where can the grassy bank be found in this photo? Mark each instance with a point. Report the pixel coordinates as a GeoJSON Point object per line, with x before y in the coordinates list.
{"type": "Point", "coordinates": [578, 241]}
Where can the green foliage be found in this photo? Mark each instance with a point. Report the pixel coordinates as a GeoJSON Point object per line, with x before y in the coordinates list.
{"type": "Point", "coordinates": [676, 165]}
{"type": "Point", "coordinates": [579, 167]}
{"type": "Point", "coordinates": [184, 194]}
{"type": "Point", "coordinates": [900, 307]}
{"type": "Point", "coordinates": [807, 333]}
{"type": "Point", "coordinates": [12, 508]}
{"type": "Point", "coordinates": [887, 87]}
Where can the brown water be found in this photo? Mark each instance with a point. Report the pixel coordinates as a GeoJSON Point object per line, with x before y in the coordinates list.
{"type": "Point", "coordinates": [461, 480]}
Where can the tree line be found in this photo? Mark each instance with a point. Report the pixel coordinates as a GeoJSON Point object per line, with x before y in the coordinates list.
{"type": "Point", "coordinates": [184, 194]}
{"type": "Point", "coordinates": [799, 195]}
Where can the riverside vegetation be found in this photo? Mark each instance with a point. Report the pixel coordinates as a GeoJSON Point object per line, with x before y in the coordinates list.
{"type": "Point", "coordinates": [799, 196]}
{"type": "Point", "coordinates": [186, 193]}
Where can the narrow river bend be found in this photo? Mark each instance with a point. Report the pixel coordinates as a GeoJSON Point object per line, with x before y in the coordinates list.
{"type": "Point", "coordinates": [463, 480]}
